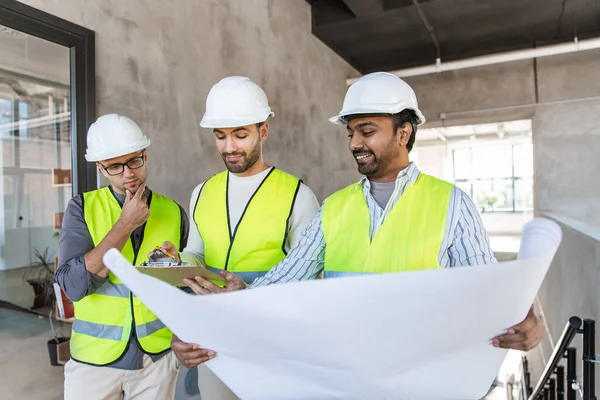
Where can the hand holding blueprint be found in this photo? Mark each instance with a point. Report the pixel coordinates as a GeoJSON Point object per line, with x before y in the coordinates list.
{"type": "Point", "coordinates": [411, 335]}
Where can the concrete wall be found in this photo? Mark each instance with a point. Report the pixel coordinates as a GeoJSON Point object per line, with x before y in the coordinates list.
{"type": "Point", "coordinates": [566, 141]}
{"type": "Point", "coordinates": [156, 61]}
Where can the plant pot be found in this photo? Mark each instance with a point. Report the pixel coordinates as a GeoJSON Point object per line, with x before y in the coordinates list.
{"type": "Point", "coordinates": [39, 292]}
{"type": "Point", "coordinates": [44, 294]}
{"type": "Point", "coordinates": [58, 350]}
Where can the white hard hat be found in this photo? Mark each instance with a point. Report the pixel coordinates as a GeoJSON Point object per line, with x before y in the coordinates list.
{"type": "Point", "coordinates": [114, 135]}
{"type": "Point", "coordinates": [378, 93]}
{"type": "Point", "coordinates": [235, 101]}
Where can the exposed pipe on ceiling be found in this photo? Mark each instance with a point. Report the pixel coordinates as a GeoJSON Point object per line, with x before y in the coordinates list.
{"type": "Point", "coordinates": [428, 27]}
{"type": "Point", "coordinates": [445, 115]}
{"type": "Point", "coordinates": [563, 48]}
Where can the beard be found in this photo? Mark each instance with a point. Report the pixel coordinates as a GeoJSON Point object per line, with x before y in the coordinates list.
{"type": "Point", "coordinates": [245, 160]}
{"type": "Point", "coordinates": [136, 182]}
{"type": "Point", "coordinates": [373, 164]}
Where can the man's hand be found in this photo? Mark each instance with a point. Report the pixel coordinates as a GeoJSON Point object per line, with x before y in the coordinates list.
{"type": "Point", "coordinates": [133, 214]}
{"type": "Point", "coordinates": [135, 209]}
{"type": "Point", "coordinates": [204, 286]}
{"type": "Point", "coordinates": [169, 249]}
{"type": "Point", "coordinates": [523, 336]}
{"type": "Point", "coordinates": [190, 354]}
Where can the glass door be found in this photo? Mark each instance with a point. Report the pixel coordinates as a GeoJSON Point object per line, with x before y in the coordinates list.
{"type": "Point", "coordinates": [35, 132]}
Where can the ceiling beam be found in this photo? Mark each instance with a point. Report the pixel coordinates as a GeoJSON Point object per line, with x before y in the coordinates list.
{"type": "Point", "coordinates": [365, 8]}
{"type": "Point", "coordinates": [440, 135]}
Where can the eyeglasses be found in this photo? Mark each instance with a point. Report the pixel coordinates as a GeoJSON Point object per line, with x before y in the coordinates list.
{"type": "Point", "coordinates": [117, 169]}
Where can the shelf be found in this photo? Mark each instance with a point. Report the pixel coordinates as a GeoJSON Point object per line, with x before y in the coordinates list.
{"type": "Point", "coordinates": [61, 177]}
{"type": "Point", "coordinates": [58, 219]}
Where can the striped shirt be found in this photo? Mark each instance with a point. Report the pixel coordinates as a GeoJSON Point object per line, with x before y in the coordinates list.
{"type": "Point", "coordinates": [465, 240]}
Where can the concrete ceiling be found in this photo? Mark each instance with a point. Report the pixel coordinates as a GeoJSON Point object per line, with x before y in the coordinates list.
{"type": "Point", "coordinates": [382, 35]}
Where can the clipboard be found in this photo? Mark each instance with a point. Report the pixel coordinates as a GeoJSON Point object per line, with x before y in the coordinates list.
{"type": "Point", "coordinates": [175, 275]}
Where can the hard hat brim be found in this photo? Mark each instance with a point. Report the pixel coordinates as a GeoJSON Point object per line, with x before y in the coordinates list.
{"type": "Point", "coordinates": [212, 123]}
{"type": "Point", "coordinates": [340, 119]}
{"type": "Point", "coordinates": [107, 155]}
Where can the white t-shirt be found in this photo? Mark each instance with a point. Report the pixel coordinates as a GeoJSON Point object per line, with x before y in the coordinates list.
{"type": "Point", "coordinates": [240, 191]}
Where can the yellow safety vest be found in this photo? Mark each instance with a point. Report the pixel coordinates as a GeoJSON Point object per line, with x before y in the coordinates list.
{"type": "Point", "coordinates": [408, 240]}
{"type": "Point", "coordinates": [257, 242]}
{"type": "Point", "coordinates": [104, 320]}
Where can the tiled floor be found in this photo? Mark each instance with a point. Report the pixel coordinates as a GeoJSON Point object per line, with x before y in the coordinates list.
{"type": "Point", "coordinates": [25, 371]}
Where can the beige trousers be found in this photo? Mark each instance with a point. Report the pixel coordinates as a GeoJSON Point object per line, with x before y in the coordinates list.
{"type": "Point", "coordinates": [155, 381]}
{"type": "Point", "coordinates": [211, 387]}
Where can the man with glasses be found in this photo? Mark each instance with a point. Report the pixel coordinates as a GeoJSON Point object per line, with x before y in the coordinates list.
{"type": "Point", "coordinates": [118, 346]}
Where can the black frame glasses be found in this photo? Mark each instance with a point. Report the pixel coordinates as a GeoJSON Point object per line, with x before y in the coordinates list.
{"type": "Point", "coordinates": [112, 166]}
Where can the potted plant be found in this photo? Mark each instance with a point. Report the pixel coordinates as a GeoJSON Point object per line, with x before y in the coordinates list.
{"type": "Point", "coordinates": [58, 346]}
{"type": "Point", "coordinates": [40, 275]}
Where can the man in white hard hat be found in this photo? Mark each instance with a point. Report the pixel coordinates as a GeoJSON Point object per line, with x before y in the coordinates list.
{"type": "Point", "coordinates": [246, 218]}
{"type": "Point", "coordinates": [118, 346]}
{"type": "Point", "coordinates": [395, 218]}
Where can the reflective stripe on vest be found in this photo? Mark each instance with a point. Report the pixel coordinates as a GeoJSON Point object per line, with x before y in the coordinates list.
{"type": "Point", "coordinates": [408, 240]}
{"type": "Point", "coordinates": [103, 320]}
{"type": "Point", "coordinates": [257, 242]}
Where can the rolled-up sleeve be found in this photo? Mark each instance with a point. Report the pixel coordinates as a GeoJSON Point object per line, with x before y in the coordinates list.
{"type": "Point", "coordinates": [74, 243]}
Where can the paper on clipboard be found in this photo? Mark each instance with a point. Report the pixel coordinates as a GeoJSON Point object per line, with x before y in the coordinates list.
{"type": "Point", "coordinates": [175, 275]}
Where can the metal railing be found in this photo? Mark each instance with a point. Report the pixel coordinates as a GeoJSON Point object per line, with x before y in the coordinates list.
{"type": "Point", "coordinates": [553, 385]}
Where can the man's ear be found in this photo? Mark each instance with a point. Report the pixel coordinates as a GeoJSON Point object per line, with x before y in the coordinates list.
{"type": "Point", "coordinates": [404, 133]}
{"type": "Point", "coordinates": [263, 131]}
{"type": "Point", "coordinates": [101, 168]}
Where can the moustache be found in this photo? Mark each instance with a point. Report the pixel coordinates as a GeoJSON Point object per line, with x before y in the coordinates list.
{"type": "Point", "coordinates": [239, 153]}
{"type": "Point", "coordinates": [362, 152]}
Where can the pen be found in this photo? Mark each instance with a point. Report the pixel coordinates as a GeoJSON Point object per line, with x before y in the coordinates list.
{"type": "Point", "coordinates": [165, 252]}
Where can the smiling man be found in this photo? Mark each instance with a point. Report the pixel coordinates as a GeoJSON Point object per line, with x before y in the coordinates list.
{"type": "Point", "coordinates": [395, 218]}
{"type": "Point", "coordinates": [246, 218]}
{"type": "Point", "coordinates": [118, 346]}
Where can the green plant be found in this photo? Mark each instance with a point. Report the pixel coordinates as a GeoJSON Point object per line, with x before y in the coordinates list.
{"type": "Point", "coordinates": [490, 200]}
{"type": "Point", "coordinates": [41, 269]}
{"type": "Point", "coordinates": [40, 275]}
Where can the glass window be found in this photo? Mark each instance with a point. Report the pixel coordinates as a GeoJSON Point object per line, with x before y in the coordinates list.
{"type": "Point", "coordinates": [523, 156]}
{"type": "Point", "coordinates": [462, 164]}
{"type": "Point", "coordinates": [500, 179]}
{"type": "Point", "coordinates": [524, 194]}
{"type": "Point", "coordinates": [465, 186]}
{"type": "Point", "coordinates": [503, 188]}
{"type": "Point", "coordinates": [35, 126]}
{"type": "Point", "coordinates": [492, 161]}
{"type": "Point", "coordinates": [484, 198]}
